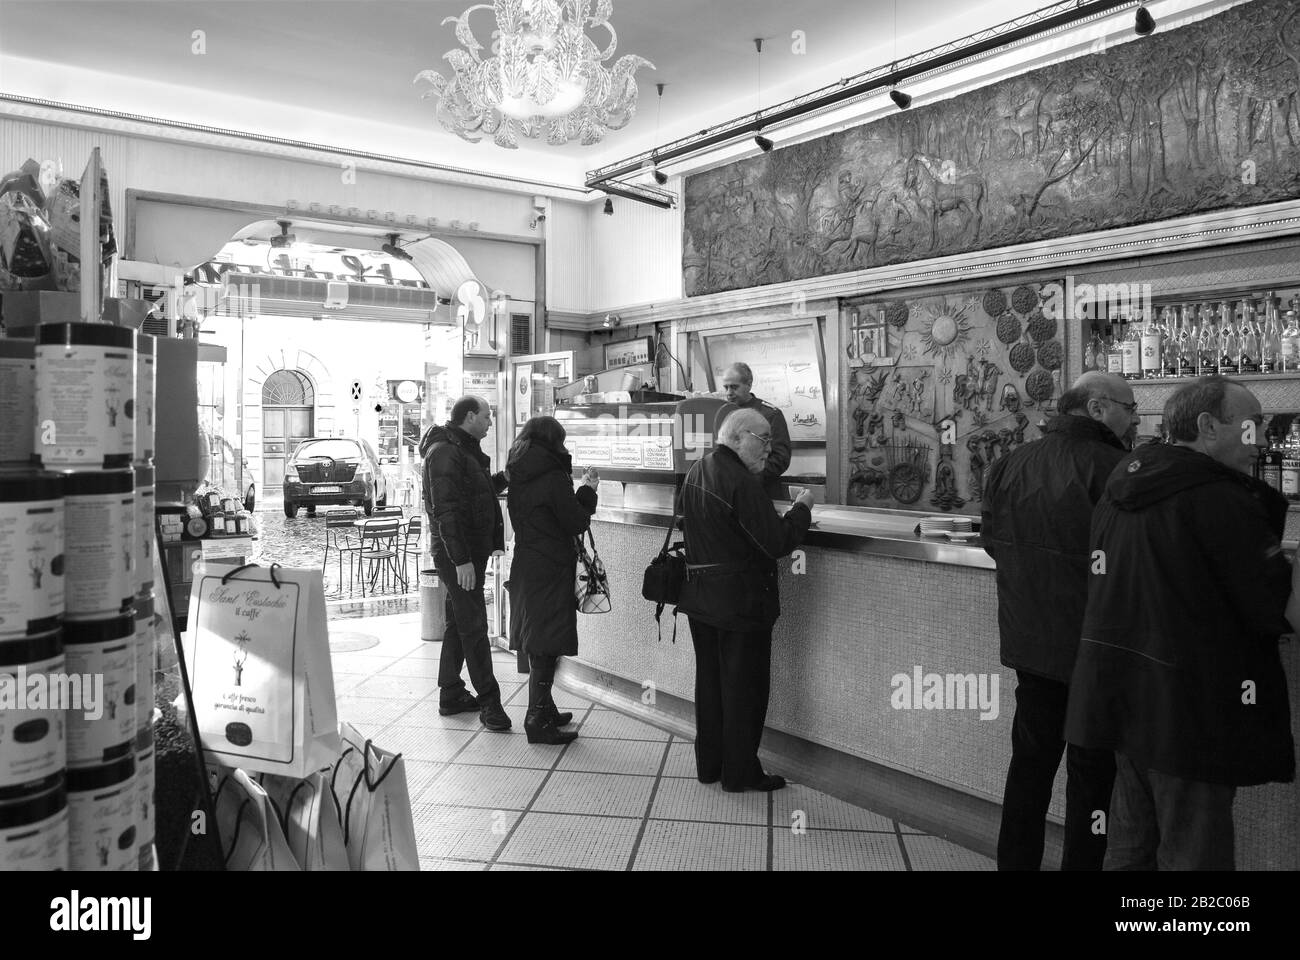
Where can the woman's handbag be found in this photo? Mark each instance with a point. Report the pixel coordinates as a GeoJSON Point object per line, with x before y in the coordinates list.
{"type": "Point", "coordinates": [591, 587]}
{"type": "Point", "coordinates": [664, 577]}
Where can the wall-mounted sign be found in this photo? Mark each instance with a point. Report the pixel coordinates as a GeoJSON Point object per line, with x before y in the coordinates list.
{"type": "Point", "coordinates": [406, 391]}
{"type": "Point", "coordinates": [309, 262]}
{"type": "Point", "coordinates": [523, 387]}
{"type": "Point", "coordinates": [627, 352]}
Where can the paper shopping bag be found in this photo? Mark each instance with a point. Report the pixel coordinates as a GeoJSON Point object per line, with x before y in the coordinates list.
{"type": "Point", "coordinates": [258, 657]}
{"type": "Point", "coordinates": [374, 804]}
{"type": "Point", "coordinates": [310, 820]}
{"type": "Point", "coordinates": [251, 836]}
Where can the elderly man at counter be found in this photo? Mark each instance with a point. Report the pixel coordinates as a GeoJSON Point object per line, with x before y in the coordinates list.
{"type": "Point", "coordinates": [1037, 508]}
{"type": "Point", "coordinates": [733, 540]}
{"type": "Point", "coordinates": [1179, 670]}
{"type": "Point", "coordinates": [736, 384]}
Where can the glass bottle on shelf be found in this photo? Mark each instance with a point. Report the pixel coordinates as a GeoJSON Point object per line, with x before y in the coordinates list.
{"type": "Point", "coordinates": [1094, 351]}
{"type": "Point", "coordinates": [1151, 342]}
{"type": "Point", "coordinates": [1187, 344]}
{"type": "Point", "coordinates": [1228, 352]}
{"type": "Point", "coordinates": [1114, 359]}
{"type": "Point", "coordinates": [1291, 462]}
{"type": "Point", "coordinates": [1270, 343]}
{"type": "Point", "coordinates": [1176, 337]}
{"type": "Point", "coordinates": [1248, 340]}
{"type": "Point", "coordinates": [1131, 348]}
{"type": "Point", "coordinates": [1271, 472]}
{"type": "Point", "coordinates": [1290, 353]}
{"type": "Point", "coordinates": [1207, 345]}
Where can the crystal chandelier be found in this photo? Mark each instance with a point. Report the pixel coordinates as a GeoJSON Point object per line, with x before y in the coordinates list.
{"type": "Point", "coordinates": [544, 79]}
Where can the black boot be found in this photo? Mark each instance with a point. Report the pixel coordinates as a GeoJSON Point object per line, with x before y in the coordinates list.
{"type": "Point", "coordinates": [540, 723]}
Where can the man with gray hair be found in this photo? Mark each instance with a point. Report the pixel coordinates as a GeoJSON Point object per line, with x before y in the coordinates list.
{"type": "Point", "coordinates": [1178, 669]}
{"type": "Point", "coordinates": [736, 383]}
{"type": "Point", "coordinates": [1037, 507]}
{"type": "Point", "coordinates": [733, 540]}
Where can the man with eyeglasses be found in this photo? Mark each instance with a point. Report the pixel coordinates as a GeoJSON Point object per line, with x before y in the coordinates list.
{"type": "Point", "coordinates": [1037, 507]}
{"type": "Point", "coordinates": [1179, 670]}
{"type": "Point", "coordinates": [733, 541]}
{"type": "Point", "coordinates": [736, 384]}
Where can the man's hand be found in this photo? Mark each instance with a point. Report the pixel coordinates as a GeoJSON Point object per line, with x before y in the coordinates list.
{"type": "Point", "coordinates": [591, 477]}
{"type": "Point", "coordinates": [465, 576]}
{"type": "Point", "coordinates": [805, 497]}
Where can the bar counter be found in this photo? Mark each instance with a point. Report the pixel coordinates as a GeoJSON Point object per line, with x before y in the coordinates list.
{"type": "Point", "coordinates": [887, 690]}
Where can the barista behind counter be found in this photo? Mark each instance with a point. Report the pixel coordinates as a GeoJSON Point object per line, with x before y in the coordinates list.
{"type": "Point", "coordinates": [735, 384]}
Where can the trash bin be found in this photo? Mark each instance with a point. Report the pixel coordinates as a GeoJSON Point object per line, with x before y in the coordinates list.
{"type": "Point", "coordinates": [433, 613]}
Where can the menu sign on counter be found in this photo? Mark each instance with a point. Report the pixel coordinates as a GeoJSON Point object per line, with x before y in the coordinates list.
{"type": "Point", "coordinates": [622, 453]}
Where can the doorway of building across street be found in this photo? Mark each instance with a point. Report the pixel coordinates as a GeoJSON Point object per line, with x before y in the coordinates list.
{"type": "Point", "coordinates": [288, 401]}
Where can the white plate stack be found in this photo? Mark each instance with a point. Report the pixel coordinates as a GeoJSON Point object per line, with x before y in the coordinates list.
{"type": "Point", "coordinates": [936, 526]}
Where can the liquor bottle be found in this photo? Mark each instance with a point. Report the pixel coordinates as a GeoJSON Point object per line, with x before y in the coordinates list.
{"type": "Point", "coordinates": [1271, 472]}
{"type": "Point", "coordinates": [1207, 345]}
{"type": "Point", "coordinates": [1092, 349]}
{"type": "Point", "coordinates": [1114, 358]}
{"type": "Point", "coordinates": [1151, 342]}
{"type": "Point", "coordinates": [1187, 344]}
{"type": "Point", "coordinates": [1290, 353]}
{"type": "Point", "coordinates": [1228, 352]}
{"type": "Point", "coordinates": [1176, 333]}
{"type": "Point", "coordinates": [1248, 340]}
{"type": "Point", "coordinates": [1131, 349]}
{"type": "Point", "coordinates": [1291, 462]}
{"type": "Point", "coordinates": [1270, 344]}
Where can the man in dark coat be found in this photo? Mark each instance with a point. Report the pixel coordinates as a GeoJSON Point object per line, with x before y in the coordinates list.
{"type": "Point", "coordinates": [546, 514]}
{"type": "Point", "coordinates": [736, 383]}
{"type": "Point", "coordinates": [733, 540]}
{"type": "Point", "coordinates": [1038, 503]}
{"type": "Point", "coordinates": [460, 499]}
{"type": "Point", "coordinates": [1178, 669]}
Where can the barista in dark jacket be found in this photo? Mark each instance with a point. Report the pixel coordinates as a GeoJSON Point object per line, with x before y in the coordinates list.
{"type": "Point", "coordinates": [465, 524]}
{"type": "Point", "coordinates": [546, 515]}
{"type": "Point", "coordinates": [736, 384]}
{"type": "Point", "coordinates": [1178, 669]}
{"type": "Point", "coordinates": [1038, 504]}
{"type": "Point", "coordinates": [733, 540]}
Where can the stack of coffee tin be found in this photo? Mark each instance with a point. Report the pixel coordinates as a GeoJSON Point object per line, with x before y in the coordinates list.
{"type": "Point", "coordinates": [33, 747]}
{"type": "Point", "coordinates": [146, 620]}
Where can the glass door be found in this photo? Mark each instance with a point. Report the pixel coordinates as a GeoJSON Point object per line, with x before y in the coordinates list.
{"type": "Point", "coordinates": [534, 380]}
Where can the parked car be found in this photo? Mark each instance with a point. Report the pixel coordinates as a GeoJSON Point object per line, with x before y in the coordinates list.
{"type": "Point", "coordinates": [333, 470]}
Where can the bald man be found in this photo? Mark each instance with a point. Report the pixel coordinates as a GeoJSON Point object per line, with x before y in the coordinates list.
{"type": "Point", "coordinates": [733, 541]}
{"type": "Point", "coordinates": [1036, 514]}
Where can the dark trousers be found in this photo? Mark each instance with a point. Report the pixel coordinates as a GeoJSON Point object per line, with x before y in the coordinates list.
{"type": "Point", "coordinates": [731, 688]}
{"type": "Point", "coordinates": [541, 676]}
{"type": "Point", "coordinates": [1037, 742]}
{"type": "Point", "coordinates": [465, 639]}
{"type": "Point", "coordinates": [1162, 822]}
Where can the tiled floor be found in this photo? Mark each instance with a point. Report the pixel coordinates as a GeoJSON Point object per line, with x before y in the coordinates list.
{"type": "Point", "coordinates": [623, 796]}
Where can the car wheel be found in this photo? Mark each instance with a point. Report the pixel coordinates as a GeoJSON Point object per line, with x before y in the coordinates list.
{"type": "Point", "coordinates": [290, 509]}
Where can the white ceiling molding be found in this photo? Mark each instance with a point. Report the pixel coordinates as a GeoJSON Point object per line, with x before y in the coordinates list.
{"type": "Point", "coordinates": [90, 118]}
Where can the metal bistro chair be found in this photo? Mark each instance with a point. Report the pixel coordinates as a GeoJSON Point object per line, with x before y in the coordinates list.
{"type": "Point", "coordinates": [340, 536]}
{"type": "Point", "coordinates": [378, 551]}
{"type": "Point", "coordinates": [393, 511]}
{"type": "Point", "coordinates": [410, 545]}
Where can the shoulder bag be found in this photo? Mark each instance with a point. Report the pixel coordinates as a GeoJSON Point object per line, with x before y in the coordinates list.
{"type": "Point", "coordinates": [591, 587]}
{"type": "Point", "coordinates": [664, 577]}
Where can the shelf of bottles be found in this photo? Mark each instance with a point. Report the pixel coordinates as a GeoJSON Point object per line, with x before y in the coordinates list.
{"type": "Point", "coordinates": [1252, 334]}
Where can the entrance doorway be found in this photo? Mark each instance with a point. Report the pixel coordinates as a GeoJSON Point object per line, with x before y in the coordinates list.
{"type": "Point", "coordinates": [288, 402]}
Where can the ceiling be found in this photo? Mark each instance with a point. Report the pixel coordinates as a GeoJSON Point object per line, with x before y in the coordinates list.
{"type": "Point", "coordinates": [340, 72]}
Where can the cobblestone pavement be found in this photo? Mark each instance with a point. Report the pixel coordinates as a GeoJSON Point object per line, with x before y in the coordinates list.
{"type": "Point", "coordinates": [300, 542]}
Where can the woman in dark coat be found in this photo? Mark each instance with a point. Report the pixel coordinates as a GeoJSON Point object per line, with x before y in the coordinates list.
{"type": "Point", "coordinates": [546, 515]}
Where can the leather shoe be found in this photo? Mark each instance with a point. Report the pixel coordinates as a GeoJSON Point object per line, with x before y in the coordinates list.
{"type": "Point", "coordinates": [767, 783]}
{"type": "Point", "coordinates": [561, 719]}
{"type": "Point", "coordinates": [465, 703]}
{"type": "Point", "coordinates": [494, 717]}
{"type": "Point", "coordinates": [548, 732]}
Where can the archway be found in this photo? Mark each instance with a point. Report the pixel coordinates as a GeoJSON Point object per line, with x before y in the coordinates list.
{"type": "Point", "coordinates": [288, 418]}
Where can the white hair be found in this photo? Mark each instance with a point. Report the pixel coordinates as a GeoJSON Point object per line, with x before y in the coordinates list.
{"type": "Point", "coordinates": [734, 426]}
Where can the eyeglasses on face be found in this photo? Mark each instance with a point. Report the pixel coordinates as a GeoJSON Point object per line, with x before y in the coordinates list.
{"type": "Point", "coordinates": [1130, 407]}
{"type": "Point", "coordinates": [765, 441]}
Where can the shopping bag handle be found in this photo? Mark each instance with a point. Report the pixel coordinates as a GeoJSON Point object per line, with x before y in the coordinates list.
{"type": "Point", "coordinates": [371, 785]}
{"type": "Point", "coordinates": [231, 574]}
{"type": "Point", "coordinates": [239, 822]}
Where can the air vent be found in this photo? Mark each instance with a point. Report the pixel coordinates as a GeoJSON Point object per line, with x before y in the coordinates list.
{"type": "Point", "coordinates": [521, 334]}
{"type": "Point", "coordinates": [155, 327]}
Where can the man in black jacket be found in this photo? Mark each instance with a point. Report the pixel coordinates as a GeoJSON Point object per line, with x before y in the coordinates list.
{"type": "Point", "coordinates": [736, 384]}
{"type": "Point", "coordinates": [733, 540]}
{"type": "Point", "coordinates": [1038, 503]}
{"type": "Point", "coordinates": [460, 499]}
{"type": "Point", "coordinates": [1178, 669]}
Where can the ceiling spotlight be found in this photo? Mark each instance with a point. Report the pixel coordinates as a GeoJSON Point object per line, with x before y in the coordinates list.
{"type": "Point", "coordinates": [660, 177]}
{"type": "Point", "coordinates": [901, 99]}
{"type": "Point", "coordinates": [609, 207]}
{"type": "Point", "coordinates": [393, 250]}
{"type": "Point", "coordinates": [612, 320]}
{"type": "Point", "coordinates": [1143, 22]}
{"type": "Point", "coordinates": [764, 144]}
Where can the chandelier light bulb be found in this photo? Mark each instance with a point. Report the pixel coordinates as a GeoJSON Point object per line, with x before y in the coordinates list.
{"type": "Point", "coordinates": [545, 77]}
